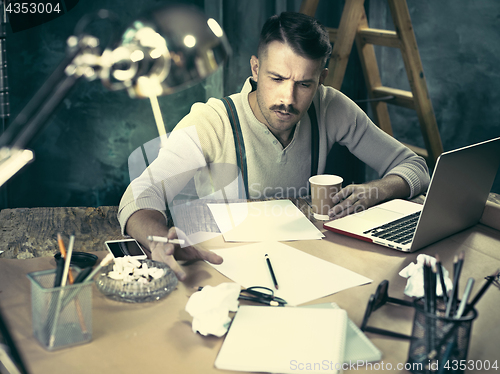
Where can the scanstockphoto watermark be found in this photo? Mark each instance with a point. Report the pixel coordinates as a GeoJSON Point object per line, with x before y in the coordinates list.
{"type": "Point", "coordinates": [320, 200]}
{"type": "Point", "coordinates": [328, 365]}
{"type": "Point", "coordinates": [259, 191]}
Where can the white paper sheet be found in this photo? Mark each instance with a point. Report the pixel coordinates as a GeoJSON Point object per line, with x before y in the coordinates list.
{"type": "Point", "coordinates": [274, 220]}
{"type": "Point", "coordinates": [301, 277]}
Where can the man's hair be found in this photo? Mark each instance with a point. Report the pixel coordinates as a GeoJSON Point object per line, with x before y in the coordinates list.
{"type": "Point", "coordinates": [304, 34]}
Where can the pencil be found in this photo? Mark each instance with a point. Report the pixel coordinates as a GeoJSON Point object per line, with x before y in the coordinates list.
{"type": "Point", "coordinates": [481, 292]}
{"type": "Point", "coordinates": [67, 261]}
{"type": "Point", "coordinates": [446, 356]}
{"type": "Point", "coordinates": [161, 239]}
{"type": "Point", "coordinates": [465, 298]}
{"type": "Point", "coordinates": [67, 276]}
{"type": "Point", "coordinates": [71, 280]}
{"type": "Point", "coordinates": [271, 271]}
{"type": "Point", "coordinates": [62, 249]}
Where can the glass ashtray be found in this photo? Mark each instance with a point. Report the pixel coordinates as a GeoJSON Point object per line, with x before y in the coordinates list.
{"type": "Point", "coordinates": [136, 292]}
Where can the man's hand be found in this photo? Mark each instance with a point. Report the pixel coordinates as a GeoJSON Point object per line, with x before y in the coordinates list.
{"type": "Point", "coordinates": [356, 198]}
{"type": "Point", "coordinates": [169, 253]}
{"type": "Point", "coordinates": [147, 222]}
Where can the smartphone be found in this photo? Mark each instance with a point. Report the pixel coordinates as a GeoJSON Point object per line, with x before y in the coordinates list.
{"type": "Point", "coordinates": [126, 247]}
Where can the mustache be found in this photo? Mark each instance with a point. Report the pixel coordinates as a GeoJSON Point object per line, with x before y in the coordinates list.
{"type": "Point", "coordinates": [285, 108]}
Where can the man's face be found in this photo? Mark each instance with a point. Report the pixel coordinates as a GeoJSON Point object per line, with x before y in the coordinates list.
{"type": "Point", "coordinates": [286, 86]}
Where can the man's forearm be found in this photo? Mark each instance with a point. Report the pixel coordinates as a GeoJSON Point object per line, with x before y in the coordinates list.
{"type": "Point", "coordinates": [357, 197]}
{"type": "Point", "coordinates": [392, 187]}
{"type": "Point", "coordinates": [146, 222]}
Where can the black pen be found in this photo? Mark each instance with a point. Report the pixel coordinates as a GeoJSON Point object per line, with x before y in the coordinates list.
{"type": "Point", "coordinates": [433, 282]}
{"type": "Point", "coordinates": [82, 275]}
{"type": "Point", "coordinates": [441, 279]}
{"type": "Point", "coordinates": [271, 271]}
{"type": "Point", "coordinates": [59, 272]}
{"type": "Point", "coordinates": [456, 279]}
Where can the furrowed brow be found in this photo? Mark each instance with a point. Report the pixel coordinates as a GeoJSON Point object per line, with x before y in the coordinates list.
{"type": "Point", "coordinates": [306, 81]}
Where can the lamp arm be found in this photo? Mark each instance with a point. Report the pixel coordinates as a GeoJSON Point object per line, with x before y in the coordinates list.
{"type": "Point", "coordinates": [37, 122]}
{"type": "Point", "coordinates": [33, 117]}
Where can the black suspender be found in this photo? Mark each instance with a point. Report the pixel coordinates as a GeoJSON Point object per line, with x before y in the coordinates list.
{"type": "Point", "coordinates": [314, 139]}
{"type": "Point", "coordinates": [239, 144]}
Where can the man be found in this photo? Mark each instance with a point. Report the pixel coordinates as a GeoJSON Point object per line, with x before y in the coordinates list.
{"type": "Point", "coordinates": [276, 133]}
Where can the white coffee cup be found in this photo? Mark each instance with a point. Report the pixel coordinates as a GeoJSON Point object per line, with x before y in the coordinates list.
{"type": "Point", "coordinates": [323, 188]}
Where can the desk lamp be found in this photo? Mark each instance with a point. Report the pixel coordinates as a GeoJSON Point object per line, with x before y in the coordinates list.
{"type": "Point", "coordinates": [165, 50]}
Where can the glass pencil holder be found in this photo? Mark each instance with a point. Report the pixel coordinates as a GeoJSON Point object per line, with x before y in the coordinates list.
{"type": "Point", "coordinates": [61, 316]}
{"type": "Point", "coordinates": [439, 344]}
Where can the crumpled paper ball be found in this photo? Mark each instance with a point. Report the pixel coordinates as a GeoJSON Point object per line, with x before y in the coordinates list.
{"type": "Point", "coordinates": [210, 308]}
{"type": "Point", "coordinates": [415, 274]}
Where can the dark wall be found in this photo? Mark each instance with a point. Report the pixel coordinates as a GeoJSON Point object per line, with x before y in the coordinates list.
{"type": "Point", "coordinates": [459, 47]}
{"type": "Point", "coordinates": [81, 157]}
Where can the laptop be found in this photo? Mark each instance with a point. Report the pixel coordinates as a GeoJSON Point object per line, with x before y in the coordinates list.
{"type": "Point", "coordinates": [455, 200]}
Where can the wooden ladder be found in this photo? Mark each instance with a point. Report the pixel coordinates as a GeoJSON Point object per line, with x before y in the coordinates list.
{"type": "Point", "coordinates": [354, 26]}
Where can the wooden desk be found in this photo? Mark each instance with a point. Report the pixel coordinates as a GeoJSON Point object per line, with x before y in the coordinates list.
{"type": "Point", "coordinates": [32, 232]}
{"type": "Point", "coordinates": [157, 337]}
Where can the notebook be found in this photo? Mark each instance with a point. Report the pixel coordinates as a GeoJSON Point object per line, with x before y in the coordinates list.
{"type": "Point", "coordinates": [456, 198]}
{"type": "Point", "coordinates": [284, 340]}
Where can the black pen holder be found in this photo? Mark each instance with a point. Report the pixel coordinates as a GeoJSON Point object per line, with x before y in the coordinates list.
{"type": "Point", "coordinates": [439, 344]}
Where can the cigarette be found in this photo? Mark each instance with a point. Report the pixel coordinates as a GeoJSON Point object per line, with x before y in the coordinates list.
{"type": "Point", "coordinates": [162, 239]}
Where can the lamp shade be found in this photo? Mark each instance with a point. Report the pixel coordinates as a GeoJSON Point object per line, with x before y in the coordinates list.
{"type": "Point", "coordinates": [165, 50]}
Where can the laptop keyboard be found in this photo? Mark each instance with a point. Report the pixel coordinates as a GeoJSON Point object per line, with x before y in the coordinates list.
{"type": "Point", "coordinates": [399, 231]}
